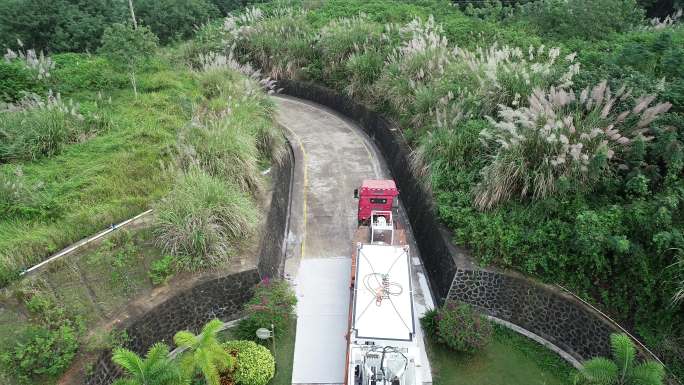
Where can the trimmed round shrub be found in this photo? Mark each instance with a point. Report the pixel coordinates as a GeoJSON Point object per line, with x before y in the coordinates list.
{"type": "Point", "coordinates": [459, 327]}
{"type": "Point", "coordinates": [254, 364]}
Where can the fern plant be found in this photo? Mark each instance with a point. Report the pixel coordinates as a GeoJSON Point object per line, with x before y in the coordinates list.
{"type": "Point", "coordinates": [204, 355]}
{"type": "Point", "coordinates": [623, 369]}
{"type": "Point", "coordinates": [155, 369]}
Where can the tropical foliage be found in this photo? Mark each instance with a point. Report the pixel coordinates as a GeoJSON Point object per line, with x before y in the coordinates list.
{"type": "Point", "coordinates": [156, 368]}
{"type": "Point", "coordinates": [203, 353]}
{"type": "Point", "coordinates": [623, 369]}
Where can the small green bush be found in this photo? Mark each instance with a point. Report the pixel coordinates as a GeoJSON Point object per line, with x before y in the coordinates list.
{"type": "Point", "coordinates": [75, 72]}
{"type": "Point", "coordinates": [41, 353]}
{"type": "Point", "coordinates": [16, 79]}
{"type": "Point", "coordinates": [255, 364]}
{"type": "Point", "coordinates": [162, 270]}
{"type": "Point", "coordinates": [459, 327]}
{"type": "Point", "coordinates": [272, 304]}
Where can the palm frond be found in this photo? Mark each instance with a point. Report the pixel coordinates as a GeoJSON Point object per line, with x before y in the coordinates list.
{"type": "Point", "coordinates": [624, 352]}
{"type": "Point", "coordinates": [184, 339]}
{"type": "Point", "coordinates": [128, 360]}
{"type": "Point", "coordinates": [599, 371]}
{"type": "Point", "coordinates": [158, 352]}
{"type": "Point", "coordinates": [647, 373]}
{"type": "Point", "coordinates": [212, 327]}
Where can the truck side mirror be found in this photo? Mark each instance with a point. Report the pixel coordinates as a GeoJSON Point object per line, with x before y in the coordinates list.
{"type": "Point", "coordinates": [356, 193]}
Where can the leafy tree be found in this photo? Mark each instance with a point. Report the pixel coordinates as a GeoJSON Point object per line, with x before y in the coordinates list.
{"type": "Point", "coordinates": [623, 369]}
{"type": "Point", "coordinates": [173, 19]}
{"type": "Point", "coordinates": [560, 18]}
{"type": "Point", "coordinates": [204, 353]}
{"type": "Point", "coordinates": [57, 25]}
{"type": "Point", "coordinates": [272, 304]}
{"type": "Point", "coordinates": [226, 6]}
{"type": "Point", "coordinates": [128, 47]}
{"type": "Point", "coordinates": [155, 369]}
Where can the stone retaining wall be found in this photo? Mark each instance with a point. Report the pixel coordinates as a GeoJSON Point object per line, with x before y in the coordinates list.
{"type": "Point", "coordinates": [218, 297]}
{"type": "Point", "coordinates": [273, 240]}
{"type": "Point", "coordinates": [221, 298]}
{"type": "Point", "coordinates": [557, 317]}
{"type": "Point", "coordinates": [542, 310]}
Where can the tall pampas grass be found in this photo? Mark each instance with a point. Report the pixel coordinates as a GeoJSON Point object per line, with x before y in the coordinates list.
{"type": "Point", "coordinates": [560, 135]}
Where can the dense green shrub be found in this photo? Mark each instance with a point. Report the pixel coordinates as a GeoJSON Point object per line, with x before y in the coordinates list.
{"type": "Point", "coordinates": [458, 326]}
{"type": "Point", "coordinates": [204, 220]}
{"type": "Point", "coordinates": [41, 353]}
{"type": "Point", "coordinates": [255, 364]}
{"type": "Point", "coordinates": [75, 72]}
{"type": "Point", "coordinates": [15, 80]}
{"type": "Point", "coordinates": [162, 270]}
{"type": "Point", "coordinates": [174, 19]}
{"type": "Point", "coordinates": [272, 304]}
{"type": "Point", "coordinates": [58, 25]}
{"type": "Point", "coordinates": [561, 18]}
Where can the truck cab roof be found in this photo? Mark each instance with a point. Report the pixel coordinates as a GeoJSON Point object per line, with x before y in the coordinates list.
{"type": "Point", "coordinates": [379, 184]}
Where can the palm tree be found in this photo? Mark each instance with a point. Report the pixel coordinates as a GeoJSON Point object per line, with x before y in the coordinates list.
{"type": "Point", "coordinates": [204, 354]}
{"type": "Point", "coordinates": [155, 369]}
{"type": "Point", "coordinates": [623, 369]}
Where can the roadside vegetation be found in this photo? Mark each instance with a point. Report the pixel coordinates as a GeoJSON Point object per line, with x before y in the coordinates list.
{"type": "Point", "coordinates": [214, 357]}
{"type": "Point", "coordinates": [88, 140]}
{"type": "Point", "coordinates": [551, 149]}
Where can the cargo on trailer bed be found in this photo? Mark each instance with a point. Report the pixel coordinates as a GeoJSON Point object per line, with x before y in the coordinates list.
{"type": "Point", "coordinates": [382, 345]}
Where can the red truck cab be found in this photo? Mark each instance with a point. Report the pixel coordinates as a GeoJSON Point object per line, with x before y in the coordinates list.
{"type": "Point", "coordinates": [375, 195]}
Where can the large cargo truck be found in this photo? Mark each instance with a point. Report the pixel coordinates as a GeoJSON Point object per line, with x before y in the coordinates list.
{"type": "Point", "coordinates": [382, 342]}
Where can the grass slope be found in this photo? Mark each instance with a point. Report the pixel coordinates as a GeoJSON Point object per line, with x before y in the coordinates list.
{"type": "Point", "coordinates": [106, 179]}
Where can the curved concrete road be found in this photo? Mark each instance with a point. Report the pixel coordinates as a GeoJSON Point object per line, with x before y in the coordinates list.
{"type": "Point", "coordinates": [332, 157]}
